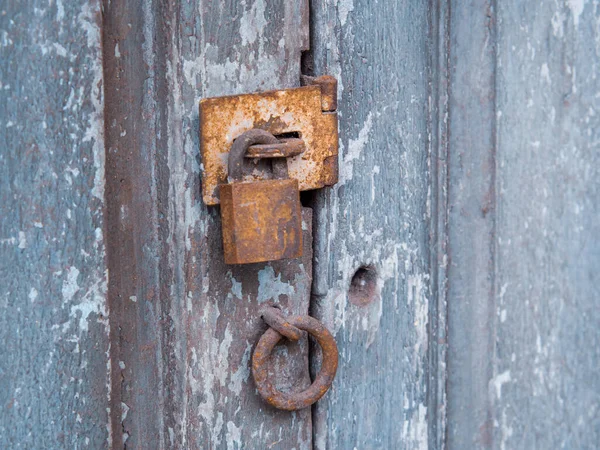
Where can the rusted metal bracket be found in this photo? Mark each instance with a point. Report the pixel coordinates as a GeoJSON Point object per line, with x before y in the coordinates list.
{"type": "Point", "coordinates": [303, 118]}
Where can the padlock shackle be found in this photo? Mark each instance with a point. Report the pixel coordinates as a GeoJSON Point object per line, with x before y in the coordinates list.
{"type": "Point", "coordinates": [240, 147]}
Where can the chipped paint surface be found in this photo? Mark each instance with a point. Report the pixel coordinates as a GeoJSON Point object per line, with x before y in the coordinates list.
{"type": "Point", "coordinates": [534, 294]}
{"type": "Point", "coordinates": [271, 287]}
{"type": "Point", "coordinates": [53, 277]}
{"type": "Point", "coordinates": [204, 313]}
{"type": "Point", "coordinates": [547, 342]}
{"type": "Point", "coordinates": [523, 328]}
{"type": "Point", "coordinates": [355, 149]}
{"type": "Point", "coordinates": [576, 7]}
{"type": "Point", "coordinates": [218, 369]}
{"type": "Point", "coordinates": [375, 217]}
{"type": "Point", "coordinates": [498, 381]}
{"type": "Point", "coordinates": [344, 7]}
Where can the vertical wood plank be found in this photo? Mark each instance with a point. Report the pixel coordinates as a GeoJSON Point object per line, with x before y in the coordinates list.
{"type": "Point", "coordinates": [546, 379]}
{"type": "Point", "coordinates": [523, 194]}
{"type": "Point", "coordinates": [135, 235]}
{"type": "Point", "coordinates": [471, 194]}
{"type": "Point", "coordinates": [54, 367]}
{"type": "Point", "coordinates": [439, 41]}
{"type": "Point", "coordinates": [378, 216]}
{"type": "Point", "coordinates": [188, 322]}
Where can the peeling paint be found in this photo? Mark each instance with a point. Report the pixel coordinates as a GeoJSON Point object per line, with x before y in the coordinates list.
{"type": "Point", "coordinates": [355, 149]}
{"type": "Point", "coordinates": [70, 286]}
{"type": "Point", "coordinates": [22, 240]}
{"type": "Point", "coordinates": [498, 381]}
{"type": "Point", "coordinates": [234, 439]}
{"type": "Point", "coordinates": [93, 301]}
{"type": "Point", "coordinates": [577, 7]}
{"type": "Point", "coordinates": [252, 22]}
{"type": "Point", "coordinates": [95, 130]}
{"type": "Point", "coordinates": [270, 286]}
{"type": "Point", "coordinates": [59, 244]}
{"type": "Point", "coordinates": [545, 73]}
{"type": "Point", "coordinates": [344, 8]}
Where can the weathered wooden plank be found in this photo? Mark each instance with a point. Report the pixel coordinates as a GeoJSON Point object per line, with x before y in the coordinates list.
{"type": "Point", "coordinates": [222, 407]}
{"type": "Point", "coordinates": [378, 217]}
{"type": "Point", "coordinates": [471, 191]}
{"type": "Point", "coordinates": [186, 339]}
{"type": "Point", "coordinates": [135, 248]}
{"type": "Point", "coordinates": [438, 208]}
{"type": "Point", "coordinates": [524, 209]}
{"type": "Point", "coordinates": [546, 379]}
{"type": "Point", "coordinates": [54, 367]}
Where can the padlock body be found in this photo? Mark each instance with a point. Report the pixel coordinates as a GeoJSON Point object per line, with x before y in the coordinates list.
{"type": "Point", "coordinates": [261, 221]}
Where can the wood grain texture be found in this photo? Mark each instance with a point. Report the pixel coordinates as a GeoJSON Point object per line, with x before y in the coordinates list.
{"type": "Point", "coordinates": [379, 215]}
{"type": "Point", "coordinates": [135, 250]}
{"type": "Point", "coordinates": [469, 163]}
{"type": "Point", "coordinates": [524, 214]}
{"type": "Point", "coordinates": [471, 191]}
{"type": "Point", "coordinates": [54, 367]}
{"type": "Point", "coordinates": [186, 323]}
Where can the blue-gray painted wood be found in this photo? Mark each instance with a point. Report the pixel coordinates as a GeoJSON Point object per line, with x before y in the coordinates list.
{"type": "Point", "coordinates": [523, 220]}
{"type": "Point", "coordinates": [184, 323]}
{"type": "Point", "coordinates": [471, 191]}
{"type": "Point", "coordinates": [379, 215]}
{"type": "Point", "coordinates": [54, 366]}
{"type": "Point", "coordinates": [468, 175]}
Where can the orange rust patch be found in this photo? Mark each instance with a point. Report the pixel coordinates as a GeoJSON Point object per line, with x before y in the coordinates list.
{"type": "Point", "coordinates": [262, 221]}
{"type": "Point", "coordinates": [298, 110]}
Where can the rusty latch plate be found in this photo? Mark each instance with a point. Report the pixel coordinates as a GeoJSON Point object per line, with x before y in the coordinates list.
{"type": "Point", "coordinates": [288, 112]}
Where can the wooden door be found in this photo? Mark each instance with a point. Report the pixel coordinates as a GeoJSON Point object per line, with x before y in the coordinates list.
{"type": "Point", "coordinates": [454, 261]}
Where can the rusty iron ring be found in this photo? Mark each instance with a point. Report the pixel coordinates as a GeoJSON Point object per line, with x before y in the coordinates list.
{"type": "Point", "coordinates": [322, 382]}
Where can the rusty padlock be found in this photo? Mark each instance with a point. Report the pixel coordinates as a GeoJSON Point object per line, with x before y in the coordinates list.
{"type": "Point", "coordinates": [261, 219]}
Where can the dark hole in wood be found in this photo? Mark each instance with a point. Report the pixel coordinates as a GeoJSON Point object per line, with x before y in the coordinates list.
{"type": "Point", "coordinates": [291, 134]}
{"type": "Point", "coordinates": [307, 63]}
{"type": "Point", "coordinates": [265, 166]}
{"type": "Point", "coordinates": [308, 198]}
{"type": "Point", "coordinates": [363, 287]}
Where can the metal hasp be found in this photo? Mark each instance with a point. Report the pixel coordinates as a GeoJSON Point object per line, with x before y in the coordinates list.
{"type": "Point", "coordinates": [297, 130]}
{"type": "Point", "coordinates": [306, 113]}
{"type": "Point", "coordinates": [261, 219]}
{"type": "Point", "coordinates": [292, 327]}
